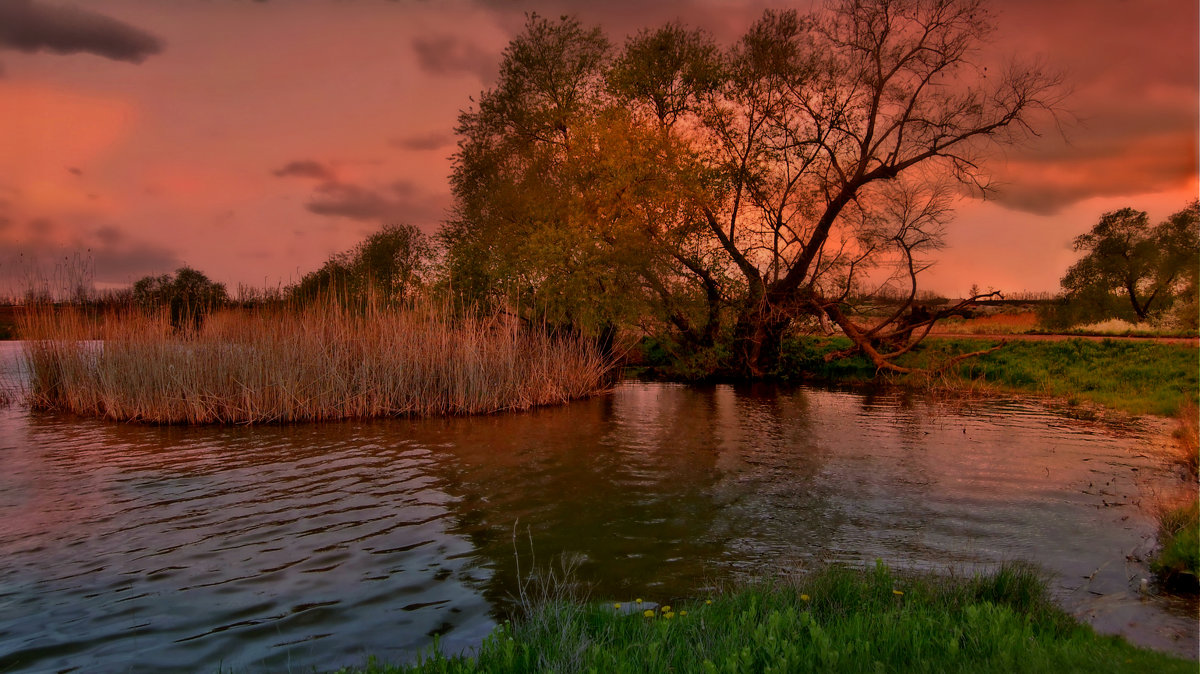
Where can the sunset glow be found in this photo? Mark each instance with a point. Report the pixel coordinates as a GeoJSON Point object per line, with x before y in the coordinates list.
{"type": "Point", "coordinates": [251, 140]}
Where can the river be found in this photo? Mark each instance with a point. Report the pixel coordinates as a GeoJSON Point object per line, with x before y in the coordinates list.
{"type": "Point", "coordinates": [146, 548]}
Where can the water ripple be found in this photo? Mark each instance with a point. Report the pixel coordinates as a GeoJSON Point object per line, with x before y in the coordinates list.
{"type": "Point", "coordinates": [135, 548]}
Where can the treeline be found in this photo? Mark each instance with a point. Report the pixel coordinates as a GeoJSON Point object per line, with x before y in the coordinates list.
{"type": "Point", "coordinates": [724, 197]}
{"type": "Point", "coordinates": [389, 269]}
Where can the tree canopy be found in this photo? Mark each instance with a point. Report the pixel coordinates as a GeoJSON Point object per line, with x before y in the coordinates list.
{"type": "Point", "coordinates": [1144, 268]}
{"type": "Point", "coordinates": [188, 294]}
{"type": "Point", "coordinates": [731, 191]}
{"type": "Point", "coordinates": [389, 266]}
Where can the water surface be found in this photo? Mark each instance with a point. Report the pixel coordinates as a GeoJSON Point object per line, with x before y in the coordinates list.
{"type": "Point", "coordinates": [141, 548]}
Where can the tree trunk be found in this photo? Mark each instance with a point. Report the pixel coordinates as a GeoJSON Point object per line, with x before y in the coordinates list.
{"type": "Point", "coordinates": [757, 341]}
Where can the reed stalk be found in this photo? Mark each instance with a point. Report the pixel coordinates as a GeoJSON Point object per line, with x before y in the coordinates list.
{"type": "Point", "coordinates": [323, 362]}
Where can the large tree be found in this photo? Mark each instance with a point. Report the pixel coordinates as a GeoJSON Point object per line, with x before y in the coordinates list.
{"type": "Point", "coordinates": [738, 190]}
{"type": "Point", "coordinates": [1146, 267]}
{"type": "Point", "coordinates": [836, 131]}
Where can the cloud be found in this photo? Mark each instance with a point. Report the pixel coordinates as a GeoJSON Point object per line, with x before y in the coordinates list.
{"type": "Point", "coordinates": [1119, 148]}
{"type": "Point", "coordinates": [399, 202]}
{"type": "Point", "coordinates": [727, 21]}
{"type": "Point", "coordinates": [1045, 188]}
{"type": "Point", "coordinates": [30, 26]}
{"type": "Point", "coordinates": [40, 252]}
{"type": "Point", "coordinates": [1133, 70]}
{"type": "Point", "coordinates": [452, 55]}
{"type": "Point", "coordinates": [306, 168]}
{"type": "Point", "coordinates": [434, 140]}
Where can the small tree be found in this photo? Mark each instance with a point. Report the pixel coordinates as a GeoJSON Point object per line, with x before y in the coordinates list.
{"type": "Point", "coordinates": [189, 294]}
{"type": "Point", "coordinates": [1145, 267]}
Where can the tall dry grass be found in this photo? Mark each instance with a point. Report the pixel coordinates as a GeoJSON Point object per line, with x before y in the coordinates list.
{"type": "Point", "coordinates": [1187, 437]}
{"type": "Point", "coordinates": [319, 363]}
{"type": "Point", "coordinates": [988, 324]}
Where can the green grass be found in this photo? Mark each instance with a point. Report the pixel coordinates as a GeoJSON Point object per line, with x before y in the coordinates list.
{"type": "Point", "coordinates": [1131, 376]}
{"type": "Point", "coordinates": [836, 620]}
{"type": "Point", "coordinates": [1178, 560]}
{"type": "Point", "coordinates": [1134, 377]}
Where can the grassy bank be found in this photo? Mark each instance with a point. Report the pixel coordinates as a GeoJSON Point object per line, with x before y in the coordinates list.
{"type": "Point", "coordinates": [1177, 561]}
{"type": "Point", "coordinates": [1133, 377]}
{"type": "Point", "coordinates": [838, 620]}
{"type": "Point", "coordinates": [319, 363]}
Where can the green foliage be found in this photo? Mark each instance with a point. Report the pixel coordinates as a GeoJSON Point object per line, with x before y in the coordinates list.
{"type": "Point", "coordinates": [835, 620]}
{"type": "Point", "coordinates": [666, 72]}
{"type": "Point", "coordinates": [387, 269]}
{"type": "Point", "coordinates": [563, 199]}
{"type": "Point", "coordinates": [1177, 562]}
{"type": "Point", "coordinates": [1134, 271]}
{"type": "Point", "coordinates": [188, 294]}
{"type": "Point", "coordinates": [1137, 377]}
{"type": "Point", "coordinates": [674, 185]}
{"type": "Point", "coordinates": [803, 358]}
{"type": "Point", "coordinates": [670, 358]}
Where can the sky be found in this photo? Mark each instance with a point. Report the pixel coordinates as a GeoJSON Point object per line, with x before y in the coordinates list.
{"type": "Point", "coordinates": [252, 140]}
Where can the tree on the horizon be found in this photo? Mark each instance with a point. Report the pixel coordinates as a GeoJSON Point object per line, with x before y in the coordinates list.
{"type": "Point", "coordinates": [732, 192]}
{"type": "Point", "coordinates": [1131, 263]}
{"type": "Point", "coordinates": [188, 294]}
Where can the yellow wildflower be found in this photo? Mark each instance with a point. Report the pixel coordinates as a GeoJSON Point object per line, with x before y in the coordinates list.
{"type": "Point", "coordinates": [707, 602]}
{"type": "Point", "coordinates": [898, 593]}
{"type": "Point", "coordinates": [668, 615]}
{"type": "Point", "coordinates": [649, 613]}
{"type": "Point", "coordinates": [639, 600]}
{"type": "Point", "coordinates": [682, 613]}
{"type": "Point", "coordinates": [666, 608]}
{"type": "Point", "coordinates": [805, 597]}
{"type": "Point", "coordinates": [616, 606]}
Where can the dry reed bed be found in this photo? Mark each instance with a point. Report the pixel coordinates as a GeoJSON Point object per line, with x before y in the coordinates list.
{"type": "Point", "coordinates": [321, 363]}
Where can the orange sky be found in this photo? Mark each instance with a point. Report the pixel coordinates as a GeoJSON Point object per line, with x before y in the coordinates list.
{"type": "Point", "coordinates": [253, 139]}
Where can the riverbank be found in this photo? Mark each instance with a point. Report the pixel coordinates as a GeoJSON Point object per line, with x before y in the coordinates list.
{"type": "Point", "coordinates": [1130, 376]}
{"type": "Point", "coordinates": [834, 620]}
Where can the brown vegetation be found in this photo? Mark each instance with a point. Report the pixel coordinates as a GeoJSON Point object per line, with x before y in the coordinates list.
{"type": "Point", "coordinates": [1004, 323]}
{"type": "Point", "coordinates": [1187, 437]}
{"type": "Point", "coordinates": [322, 362]}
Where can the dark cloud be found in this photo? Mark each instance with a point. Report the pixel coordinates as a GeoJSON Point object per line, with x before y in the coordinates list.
{"type": "Point", "coordinates": [1134, 74]}
{"type": "Point", "coordinates": [429, 141]}
{"type": "Point", "coordinates": [726, 21]}
{"type": "Point", "coordinates": [1047, 188]}
{"type": "Point", "coordinates": [452, 55]}
{"type": "Point", "coordinates": [306, 168]}
{"type": "Point", "coordinates": [109, 235]}
{"type": "Point", "coordinates": [129, 262]}
{"type": "Point", "coordinates": [30, 26]}
{"type": "Point", "coordinates": [395, 203]}
{"type": "Point", "coordinates": [43, 252]}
